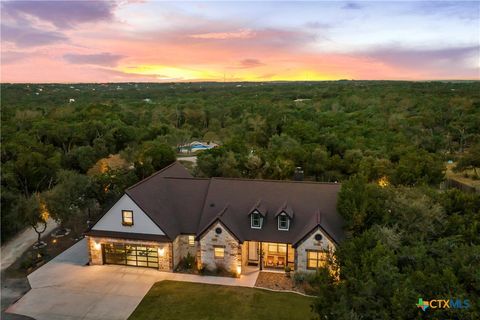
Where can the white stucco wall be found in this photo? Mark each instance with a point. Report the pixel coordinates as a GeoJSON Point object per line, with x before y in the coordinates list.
{"type": "Point", "coordinates": [112, 220]}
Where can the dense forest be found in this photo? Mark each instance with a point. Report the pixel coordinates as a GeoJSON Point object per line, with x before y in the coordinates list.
{"type": "Point", "coordinates": [387, 142]}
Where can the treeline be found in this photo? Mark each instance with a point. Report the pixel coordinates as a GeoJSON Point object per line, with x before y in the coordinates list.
{"type": "Point", "coordinates": [400, 132]}
{"type": "Point", "coordinates": [403, 244]}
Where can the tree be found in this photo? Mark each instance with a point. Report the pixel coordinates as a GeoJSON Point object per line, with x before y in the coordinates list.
{"type": "Point", "coordinates": [362, 204]}
{"type": "Point", "coordinates": [318, 163]}
{"type": "Point", "coordinates": [152, 156]}
{"type": "Point", "coordinates": [34, 213]}
{"type": "Point", "coordinates": [71, 201]}
{"type": "Point", "coordinates": [471, 160]}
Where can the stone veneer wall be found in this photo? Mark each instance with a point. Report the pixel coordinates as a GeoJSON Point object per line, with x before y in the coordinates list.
{"type": "Point", "coordinates": [181, 248]}
{"type": "Point", "coordinates": [165, 262]}
{"type": "Point", "coordinates": [233, 250]}
{"type": "Point", "coordinates": [311, 244]}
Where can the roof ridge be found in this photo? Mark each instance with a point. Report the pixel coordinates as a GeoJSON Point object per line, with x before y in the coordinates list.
{"type": "Point", "coordinates": [185, 178]}
{"type": "Point", "coordinates": [155, 174]}
{"type": "Point", "coordinates": [272, 180]}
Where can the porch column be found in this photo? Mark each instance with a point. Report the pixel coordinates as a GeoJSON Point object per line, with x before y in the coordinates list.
{"type": "Point", "coordinates": [261, 256]}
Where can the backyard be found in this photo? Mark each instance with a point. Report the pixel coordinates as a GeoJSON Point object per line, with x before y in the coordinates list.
{"type": "Point", "coordinates": [184, 300]}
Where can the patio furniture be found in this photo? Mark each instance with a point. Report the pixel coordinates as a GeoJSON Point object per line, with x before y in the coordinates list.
{"type": "Point", "coordinates": [281, 261]}
{"type": "Point", "coordinates": [270, 262]}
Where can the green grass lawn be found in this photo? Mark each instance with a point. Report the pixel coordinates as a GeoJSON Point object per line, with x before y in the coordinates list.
{"type": "Point", "coordinates": [184, 300]}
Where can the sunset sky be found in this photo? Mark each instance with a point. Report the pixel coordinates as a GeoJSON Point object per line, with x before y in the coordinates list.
{"type": "Point", "coordinates": [104, 41]}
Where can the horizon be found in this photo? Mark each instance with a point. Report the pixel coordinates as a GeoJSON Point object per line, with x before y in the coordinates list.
{"type": "Point", "coordinates": [65, 42]}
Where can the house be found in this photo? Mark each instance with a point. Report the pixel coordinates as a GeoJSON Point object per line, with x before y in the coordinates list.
{"type": "Point", "coordinates": [197, 146]}
{"type": "Point", "coordinates": [238, 224]}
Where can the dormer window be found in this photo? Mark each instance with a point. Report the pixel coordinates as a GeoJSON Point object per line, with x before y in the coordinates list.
{"type": "Point", "coordinates": [127, 218]}
{"type": "Point", "coordinates": [283, 222]}
{"type": "Point", "coordinates": [256, 220]}
{"type": "Point", "coordinates": [284, 216]}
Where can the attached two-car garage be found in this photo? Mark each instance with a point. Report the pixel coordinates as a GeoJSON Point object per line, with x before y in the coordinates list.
{"type": "Point", "coordinates": [130, 254]}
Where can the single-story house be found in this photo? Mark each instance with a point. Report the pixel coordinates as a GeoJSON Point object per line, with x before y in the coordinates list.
{"type": "Point", "coordinates": [232, 223]}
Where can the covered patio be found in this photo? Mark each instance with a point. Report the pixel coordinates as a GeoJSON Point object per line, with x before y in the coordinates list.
{"type": "Point", "coordinates": [268, 255]}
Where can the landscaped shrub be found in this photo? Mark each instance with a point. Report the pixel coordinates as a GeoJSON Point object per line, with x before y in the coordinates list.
{"type": "Point", "coordinates": [309, 281]}
{"type": "Point", "coordinates": [187, 263]}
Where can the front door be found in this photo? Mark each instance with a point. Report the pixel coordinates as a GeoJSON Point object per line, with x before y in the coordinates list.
{"type": "Point", "coordinates": [252, 250]}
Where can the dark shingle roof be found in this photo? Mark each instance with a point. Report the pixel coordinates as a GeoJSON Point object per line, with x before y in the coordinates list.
{"type": "Point", "coordinates": [181, 204]}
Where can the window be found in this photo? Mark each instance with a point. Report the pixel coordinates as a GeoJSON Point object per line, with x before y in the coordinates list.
{"type": "Point", "coordinates": [277, 248]}
{"type": "Point", "coordinates": [316, 259]}
{"type": "Point", "coordinates": [283, 222]}
{"type": "Point", "coordinates": [219, 252]}
{"type": "Point", "coordinates": [257, 220]}
{"type": "Point", "coordinates": [191, 240]}
{"type": "Point", "coordinates": [127, 217]}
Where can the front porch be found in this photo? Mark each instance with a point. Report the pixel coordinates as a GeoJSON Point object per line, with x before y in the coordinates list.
{"type": "Point", "coordinates": [268, 256]}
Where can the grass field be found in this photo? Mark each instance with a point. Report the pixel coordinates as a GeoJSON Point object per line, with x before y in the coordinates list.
{"type": "Point", "coordinates": [183, 300]}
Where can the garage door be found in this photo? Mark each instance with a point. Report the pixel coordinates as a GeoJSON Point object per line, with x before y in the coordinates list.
{"type": "Point", "coordinates": [130, 255]}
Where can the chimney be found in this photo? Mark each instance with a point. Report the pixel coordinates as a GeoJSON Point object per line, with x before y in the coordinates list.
{"type": "Point", "coordinates": [298, 175]}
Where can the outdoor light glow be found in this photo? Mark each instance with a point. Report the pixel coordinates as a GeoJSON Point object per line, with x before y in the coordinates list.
{"type": "Point", "coordinates": [161, 252]}
{"type": "Point", "coordinates": [239, 270]}
{"type": "Point", "coordinates": [383, 182]}
{"type": "Point", "coordinates": [97, 246]}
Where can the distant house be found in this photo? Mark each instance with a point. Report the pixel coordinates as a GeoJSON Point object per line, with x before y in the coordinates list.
{"type": "Point", "coordinates": [237, 224]}
{"type": "Point", "coordinates": [197, 146]}
{"type": "Point", "coordinates": [301, 100]}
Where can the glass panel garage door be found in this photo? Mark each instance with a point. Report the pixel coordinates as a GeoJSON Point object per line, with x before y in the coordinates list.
{"type": "Point", "coordinates": [130, 255]}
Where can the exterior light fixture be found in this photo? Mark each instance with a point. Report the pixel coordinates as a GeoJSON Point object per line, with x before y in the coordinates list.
{"type": "Point", "coordinates": [97, 246]}
{"type": "Point", "coordinates": [161, 252]}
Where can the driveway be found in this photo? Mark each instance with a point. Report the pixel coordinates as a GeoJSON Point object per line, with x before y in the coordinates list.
{"type": "Point", "coordinates": [66, 288]}
{"type": "Point", "coordinates": [20, 243]}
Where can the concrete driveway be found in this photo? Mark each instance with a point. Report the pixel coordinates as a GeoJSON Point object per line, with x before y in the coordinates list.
{"type": "Point", "coordinates": [66, 288]}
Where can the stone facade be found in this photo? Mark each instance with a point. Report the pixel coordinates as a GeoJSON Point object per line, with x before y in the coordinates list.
{"type": "Point", "coordinates": [165, 262]}
{"type": "Point", "coordinates": [309, 243]}
{"type": "Point", "coordinates": [182, 247]}
{"type": "Point", "coordinates": [235, 254]}
{"type": "Point", "coordinates": [232, 249]}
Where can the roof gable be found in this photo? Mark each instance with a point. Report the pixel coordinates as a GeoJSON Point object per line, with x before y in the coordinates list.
{"type": "Point", "coordinates": [178, 203]}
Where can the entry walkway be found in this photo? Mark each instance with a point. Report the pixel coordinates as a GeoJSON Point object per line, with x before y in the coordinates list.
{"type": "Point", "coordinates": [65, 288]}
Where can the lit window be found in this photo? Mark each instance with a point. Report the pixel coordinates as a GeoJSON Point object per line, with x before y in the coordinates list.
{"type": "Point", "coordinates": [257, 220]}
{"type": "Point", "coordinates": [272, 248]}
{"type": "Point", "coordinates": [191, 240]}
{"type": "Point", "coordinates": [283, 222]}
{"type": "Point", "coordinates": [219, 252]}
{"type": "Point", "coordinates": [127, 217]}
{"type": "Point", "coordinates": [316, 259]}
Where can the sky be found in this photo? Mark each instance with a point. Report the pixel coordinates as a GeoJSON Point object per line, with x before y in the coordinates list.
{"type": "Point", "coordinates": [158, 41]}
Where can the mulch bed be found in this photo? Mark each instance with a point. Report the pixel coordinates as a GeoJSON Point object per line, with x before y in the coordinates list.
{"type": "Point", "coordinates": [276, 281]}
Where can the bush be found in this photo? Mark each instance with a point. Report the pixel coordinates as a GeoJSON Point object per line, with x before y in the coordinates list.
{"type": "Point", "coordinates": [187, 263]}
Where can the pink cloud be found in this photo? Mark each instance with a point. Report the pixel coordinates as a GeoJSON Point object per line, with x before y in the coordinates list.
{"type": "Point", "coordinates": [241, 34]}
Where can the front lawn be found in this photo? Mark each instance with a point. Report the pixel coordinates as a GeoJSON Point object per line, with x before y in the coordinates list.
{"type": "Point", "coordinates": [184, 300]}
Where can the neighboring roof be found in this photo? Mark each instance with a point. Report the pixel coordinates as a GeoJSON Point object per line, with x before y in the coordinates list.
{"type": "Point", "coordinates": [127, 235]}
{"type": "Point", "coordinates": [181, 204]}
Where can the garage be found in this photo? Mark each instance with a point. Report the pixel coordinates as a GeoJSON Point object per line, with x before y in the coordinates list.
{"type": "Point", "coordinates": [130, 254]}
